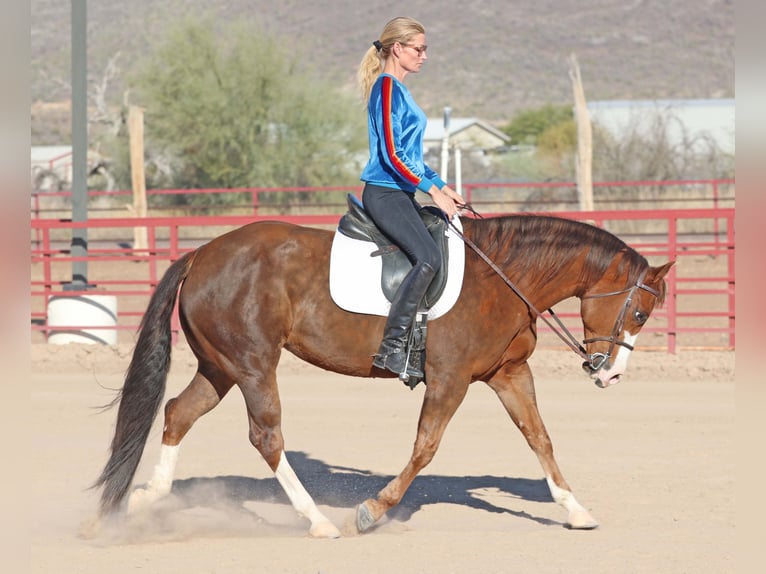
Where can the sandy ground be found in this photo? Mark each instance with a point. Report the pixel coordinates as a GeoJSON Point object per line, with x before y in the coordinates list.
{"type": "Point", "coordinates": [650, 458]}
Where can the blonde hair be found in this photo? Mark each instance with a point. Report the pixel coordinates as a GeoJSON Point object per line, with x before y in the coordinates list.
{"type": "Point", "coordinates": [401, 29]}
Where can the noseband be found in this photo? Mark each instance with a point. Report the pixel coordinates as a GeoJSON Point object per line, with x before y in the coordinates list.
{"type": "Point", "coordinates": [594, 361]}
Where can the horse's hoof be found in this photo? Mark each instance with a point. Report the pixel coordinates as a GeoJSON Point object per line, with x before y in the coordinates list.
{"type": "Point", "coordinates": [141, 499]}
{"type": "Point", "coordinates": [582, 521]}
{"type": "Point", "coordinates": [324, 530]}
{"type": "Point", "coordinates": [364, 519]}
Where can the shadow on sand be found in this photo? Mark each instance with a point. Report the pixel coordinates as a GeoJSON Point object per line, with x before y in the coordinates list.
{"type": "Point", "coordinates": [344, 487]}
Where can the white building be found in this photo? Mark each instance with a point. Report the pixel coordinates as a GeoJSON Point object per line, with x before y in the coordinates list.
{"type": "Point", "coordinates": [684, 119]}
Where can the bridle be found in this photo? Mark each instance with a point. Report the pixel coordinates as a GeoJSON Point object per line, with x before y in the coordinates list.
{"type": "Point", "coordinates": [594, 361]}
{"type": "Point", "coordinates": [598, 360]}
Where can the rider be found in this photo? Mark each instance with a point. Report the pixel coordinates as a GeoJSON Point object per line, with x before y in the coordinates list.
{"type": "Point", "coordinates": [395, 170]}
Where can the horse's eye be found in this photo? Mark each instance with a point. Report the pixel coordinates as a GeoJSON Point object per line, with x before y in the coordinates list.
{"type": "Point", "coordinates": [640, 317]}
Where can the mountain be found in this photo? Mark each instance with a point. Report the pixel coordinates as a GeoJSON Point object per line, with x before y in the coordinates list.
{"type": "Point", "coordinates": [487, 58]}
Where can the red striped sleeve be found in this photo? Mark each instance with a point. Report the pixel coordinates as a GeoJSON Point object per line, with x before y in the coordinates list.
{"type": "Point", "coordinates": [388, 133]}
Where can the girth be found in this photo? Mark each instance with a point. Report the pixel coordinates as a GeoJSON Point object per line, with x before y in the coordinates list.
{"type": "Point", "coordinates": [357, 224]}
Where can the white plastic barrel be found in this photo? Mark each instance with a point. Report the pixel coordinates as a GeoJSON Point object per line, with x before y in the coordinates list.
{"type": "Point", "coordinates": [71, 319]}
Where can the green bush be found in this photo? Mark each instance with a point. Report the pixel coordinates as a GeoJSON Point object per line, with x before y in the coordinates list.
{"type": "Point", "coordinates": [238, 110]}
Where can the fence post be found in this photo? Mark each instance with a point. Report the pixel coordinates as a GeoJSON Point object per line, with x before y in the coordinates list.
{"type": "Point", "coordinates": [468, 196]}
{"type": "Point", "coordinates": [254, 200]}
{"type": "Point", "coordinates": [151, 256]}
{"type": "Point", "coordinates": [47, 273]}
{"type": "Point", "coordinates": [731, 284]}
{"type": "Point", "coordinates": [715, 206]}
{"type": "Point", "coordinates": [138, 178]}
{"type": "Point", "coordinates": [672, 287]}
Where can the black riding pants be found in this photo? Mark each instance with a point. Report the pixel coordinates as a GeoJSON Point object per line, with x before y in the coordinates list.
{"type": "Point", "coordinates": [395, 212]}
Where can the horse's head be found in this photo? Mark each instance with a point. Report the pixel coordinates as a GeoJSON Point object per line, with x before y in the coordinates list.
{"type": "Point", "coordinates": [613, 313]}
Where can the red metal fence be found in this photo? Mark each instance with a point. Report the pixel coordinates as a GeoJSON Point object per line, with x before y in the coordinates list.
{"type": "Point", "coordinates": [699, 311]}
{"type": "Point", "coordinates": [510, 197]}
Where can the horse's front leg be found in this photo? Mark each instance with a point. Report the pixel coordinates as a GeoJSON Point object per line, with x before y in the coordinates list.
{"type": "Point", "coordinates": [439, 404]}
{"type": "Point", "coordinates": [515, 388]}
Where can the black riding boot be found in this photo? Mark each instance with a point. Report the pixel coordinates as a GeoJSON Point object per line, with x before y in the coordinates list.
{"type": "Point", "coordinates": [392, 354]}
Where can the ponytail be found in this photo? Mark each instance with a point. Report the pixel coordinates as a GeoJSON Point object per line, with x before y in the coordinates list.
{"type": "Point", "coordinates": [369, 69]}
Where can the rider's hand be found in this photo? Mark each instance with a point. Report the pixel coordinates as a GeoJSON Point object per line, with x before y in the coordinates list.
{"type": "Point", "coordinates": [456, 197]}
{"type": "Point", "coordinates": [447, 199]}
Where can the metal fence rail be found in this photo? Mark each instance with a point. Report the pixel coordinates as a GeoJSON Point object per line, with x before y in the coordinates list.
{"type": "Point", "coordinates": [512, 196]}
{"type": "Point", "coordinates": [699, 310]}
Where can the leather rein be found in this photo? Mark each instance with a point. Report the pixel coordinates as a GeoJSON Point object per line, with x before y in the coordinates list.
{"type": "Point", "coordinates": [595, 361]}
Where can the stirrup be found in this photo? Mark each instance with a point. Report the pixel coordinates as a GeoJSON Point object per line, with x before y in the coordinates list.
{"type": "Point", "coordinates": [405, 372]}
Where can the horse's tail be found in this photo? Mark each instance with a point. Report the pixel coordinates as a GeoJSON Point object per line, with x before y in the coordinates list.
{"type": "Point", "coordinates": [144, 388]}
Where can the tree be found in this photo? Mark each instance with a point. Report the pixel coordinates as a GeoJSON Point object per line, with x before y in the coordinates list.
{"type": "Point", "coordinates": [238, 110]}
{"type": "Point", "coordinates": [557, 149]}
{"type": "Point", "coordinates": [546, 143]}
{"type": "Point", "coordinates": [527, 125]}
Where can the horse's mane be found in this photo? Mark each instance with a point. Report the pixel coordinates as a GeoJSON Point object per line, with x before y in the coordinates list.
{"type": "Point", "coordinates": [538, 245]}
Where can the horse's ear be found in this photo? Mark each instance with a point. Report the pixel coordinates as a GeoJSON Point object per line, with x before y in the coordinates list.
{"type": "Point", "coordinates": [658, 273]}
{"type": "Point", "coordinates": [655, 276]}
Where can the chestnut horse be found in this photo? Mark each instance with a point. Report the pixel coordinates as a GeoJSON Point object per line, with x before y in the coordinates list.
{"type": "Point", "coordinates": [249, 293]}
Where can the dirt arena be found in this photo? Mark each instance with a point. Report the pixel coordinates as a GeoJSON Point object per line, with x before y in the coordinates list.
{"type": "Point", "coordinates": [650, 458]}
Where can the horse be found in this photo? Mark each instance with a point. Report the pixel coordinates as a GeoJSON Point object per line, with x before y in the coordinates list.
{"type": "Point", "coordinates": [248, 294]}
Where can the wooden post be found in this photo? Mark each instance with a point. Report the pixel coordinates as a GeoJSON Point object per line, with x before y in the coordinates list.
{"type": "Point", "coordinates": [138, 179]}
{"type": "Point", "coordinates": [584, 157]}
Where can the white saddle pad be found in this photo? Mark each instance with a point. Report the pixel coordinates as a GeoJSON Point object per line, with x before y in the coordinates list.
{"type": "Point", "coordinates": [355, 275]}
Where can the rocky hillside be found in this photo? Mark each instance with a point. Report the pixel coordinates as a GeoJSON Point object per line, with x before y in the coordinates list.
{"type": "Point", "coordinates": [488, 58]}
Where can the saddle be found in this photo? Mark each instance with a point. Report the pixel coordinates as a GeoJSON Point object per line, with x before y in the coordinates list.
{"type": "Point", "coordinates": [357, 224]}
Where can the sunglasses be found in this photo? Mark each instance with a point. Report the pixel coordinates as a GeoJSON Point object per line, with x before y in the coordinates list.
{"type": "Point", "coordinates": [419, 49]}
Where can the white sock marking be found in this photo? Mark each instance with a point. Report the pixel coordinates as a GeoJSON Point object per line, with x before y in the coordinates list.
{"type": "Point", "coordinates": [162, 479]}
{"type": "Point", "coordinates": [564, 497]}
{"type": "Point", "coordinates": [299, 497]}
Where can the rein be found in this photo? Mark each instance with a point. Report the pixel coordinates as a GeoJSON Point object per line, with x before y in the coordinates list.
{"type": "Point", "coordinates": [566, 336]}
{"type": "Point", "coordinates": [595, 360]}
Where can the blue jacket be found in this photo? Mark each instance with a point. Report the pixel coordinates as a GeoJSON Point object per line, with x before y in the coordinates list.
{"type": "Point", "coordinates": [395, 124]}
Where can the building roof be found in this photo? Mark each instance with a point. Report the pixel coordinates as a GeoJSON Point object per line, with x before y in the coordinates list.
{"type": "Point", "coordinates": [468, 132]}
{"type": "Point", "coordinates": [435, 128]}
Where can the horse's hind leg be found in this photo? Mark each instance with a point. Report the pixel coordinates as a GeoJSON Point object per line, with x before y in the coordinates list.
{"type": "Point", "coordinates": [181, 412]}
{"type": "Point", "coordinates": [515, 388]}
{"type": "Point", "coordinates": [264, 415]}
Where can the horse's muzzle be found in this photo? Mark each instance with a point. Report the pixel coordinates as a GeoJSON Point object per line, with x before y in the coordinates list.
{"type": "Point", "coordinates": [597, 367]}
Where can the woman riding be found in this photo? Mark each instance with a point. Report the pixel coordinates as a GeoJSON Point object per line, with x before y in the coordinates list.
{"type": "Point", "coordinates": [395, 171]}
